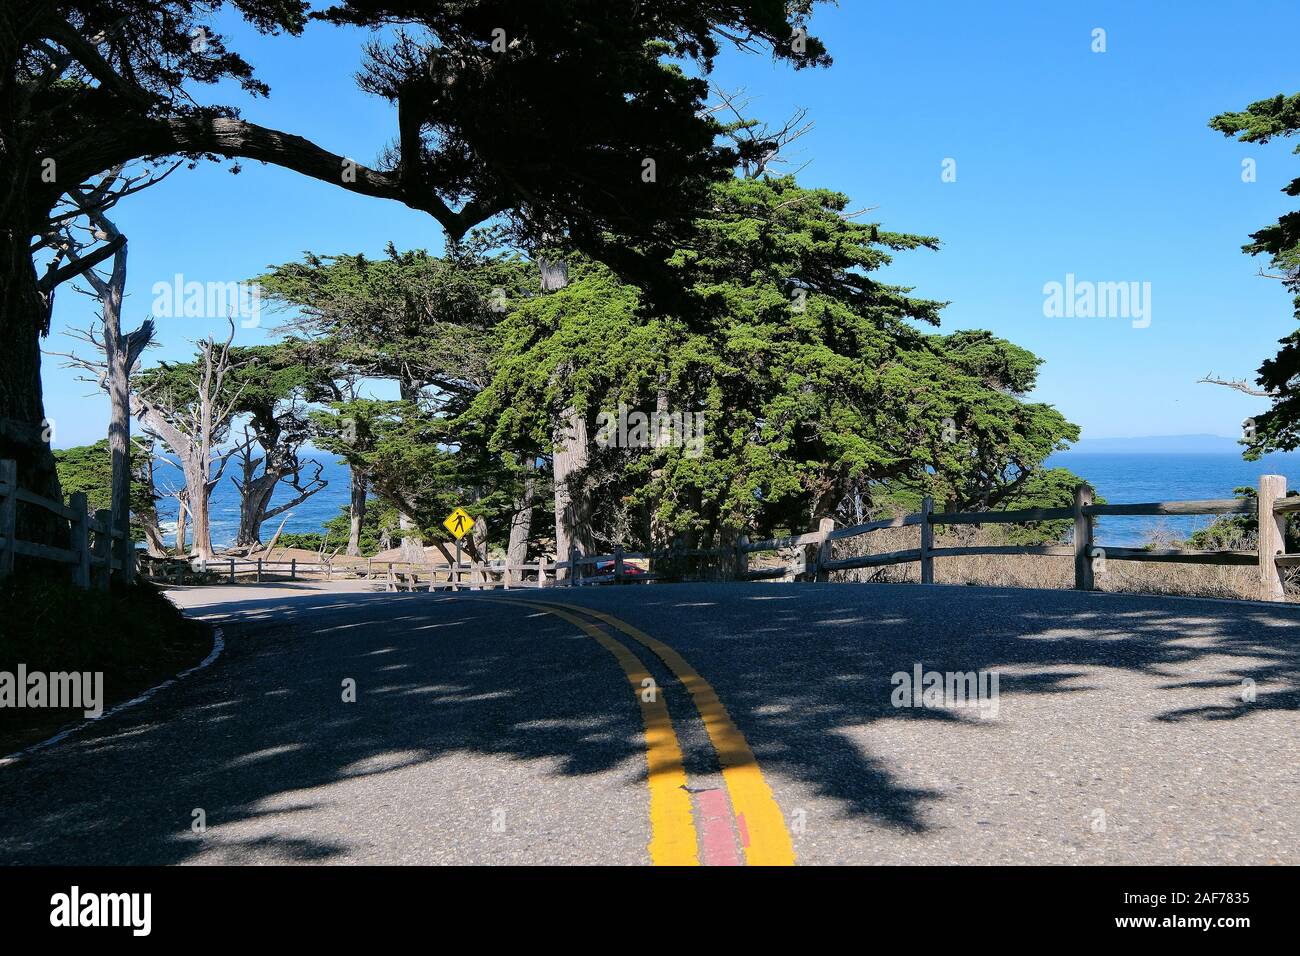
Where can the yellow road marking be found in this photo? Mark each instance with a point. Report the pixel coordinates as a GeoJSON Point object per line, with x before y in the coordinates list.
{"type": "Point", "coordinates": [769, 840]}
{"type": "Point", "coordinates": [672, 826]}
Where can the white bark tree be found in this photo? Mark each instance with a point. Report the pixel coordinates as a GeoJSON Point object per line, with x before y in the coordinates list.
{"type": "Point", "coordinates": [191, 426]}
{"type": "Point", "coordinates": [117, 353]}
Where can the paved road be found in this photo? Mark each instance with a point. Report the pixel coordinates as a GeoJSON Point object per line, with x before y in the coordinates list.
{"type": "Point", "coordinates": [494, 731]}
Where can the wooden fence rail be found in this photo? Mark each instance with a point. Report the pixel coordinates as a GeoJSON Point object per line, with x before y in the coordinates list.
{"type": "Point", "coordinates": [812, 551]}
{"type": "Point", "coordinates": [90, 554]}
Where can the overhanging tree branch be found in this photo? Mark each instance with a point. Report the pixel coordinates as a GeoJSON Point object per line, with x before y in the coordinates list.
{"type": "Point", "coordinates": [56, 275]}
{"type": "Point", "coordinates": [225, 136]}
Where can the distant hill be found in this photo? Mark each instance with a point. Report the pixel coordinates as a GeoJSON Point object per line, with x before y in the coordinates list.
{"type": "Point", "coordinates": [1160, 444]}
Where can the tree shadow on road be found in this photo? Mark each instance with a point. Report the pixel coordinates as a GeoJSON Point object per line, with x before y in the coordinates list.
{"type": "Point", "coordinates": [265, 732]}
{"type": "Point", "coordinates": [802, 667]}
{"type": "Point", "coordinates": [250, 739]}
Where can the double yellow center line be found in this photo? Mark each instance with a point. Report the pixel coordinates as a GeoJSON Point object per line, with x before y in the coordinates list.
{"type": "Point", "coordinates": [673, 838]}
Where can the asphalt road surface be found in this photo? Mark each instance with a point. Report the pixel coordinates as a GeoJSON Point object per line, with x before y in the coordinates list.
{"type": "Point", "coordinates": [718, 724]}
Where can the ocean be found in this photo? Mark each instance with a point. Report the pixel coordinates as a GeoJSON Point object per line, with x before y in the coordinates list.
{"type": "Point", "coordinates": [1120, 477]}
{"type": "Point", "coordinates": [1124, 477]}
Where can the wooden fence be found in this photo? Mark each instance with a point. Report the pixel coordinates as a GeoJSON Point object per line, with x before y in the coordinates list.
{"type": "Point", "coordinates": [813, 551]}
{"type": "Point", "coordinates": [90, 554]}
{"type": "Point", "coordinates": [815, 560]}
{"type": "Point", "coordinates": [1271, 506]}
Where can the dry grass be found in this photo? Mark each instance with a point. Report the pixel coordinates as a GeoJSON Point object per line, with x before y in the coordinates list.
{"type": "Point", "coordinates": [1031, 571]}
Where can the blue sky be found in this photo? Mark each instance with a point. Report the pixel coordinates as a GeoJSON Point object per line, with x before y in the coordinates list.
{"type": "Point", "coordinates": [1067, 161]}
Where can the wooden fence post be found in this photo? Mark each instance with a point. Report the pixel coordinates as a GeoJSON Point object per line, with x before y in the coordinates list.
{"type": "Point", "coordinates": [8, 515]}
{"type": "Point", "coordinates": [541, 570]}
{"type": "Point", "coordinates": [742, 557]}
{"type": "Point", "coordinates": [1272, 538]}
{"type": "Point", "coordinates": [103, 549]}
{"type": "Point", "coordinates": [573, 567]}
{"type": "Point", "coordinates": [232, 570]}
{"type": "Point", "coordinates": [293, 570]}
{"type": "Point", "coordinates": [618, 564]}
{"type": "Point", "coordinates": [1083, 580]}
{"type": "Point", "coordinates": [824, 529]}
{"type": "Point", "coordinates": [80, 539]}
{"type": "Point", "coordinates": [927, 541]}
{"type": "Point", "coordinates": [259, 570]}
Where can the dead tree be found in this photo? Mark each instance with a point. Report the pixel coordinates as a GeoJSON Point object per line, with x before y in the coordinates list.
{"type": "Point", "coordinates": [759, 146]}
{"type": "Point", "coordinates": [182, 511]}
{"type": "Point", "coordinates": [1290, 279]}
{"type": "Point", "coordinates": [279, 463]}
{"type": "Point", "coordinates": [120, 352]}
{"type": "Point", "coordinates": [191, 426]}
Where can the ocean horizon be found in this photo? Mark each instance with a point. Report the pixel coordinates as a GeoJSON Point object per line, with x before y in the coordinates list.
{"type": "Point", "coordinates": [1120, 477]}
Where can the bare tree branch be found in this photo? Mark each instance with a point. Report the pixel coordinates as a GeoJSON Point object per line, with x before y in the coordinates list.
{"type": "Point", "coordinates": [1239, 386]}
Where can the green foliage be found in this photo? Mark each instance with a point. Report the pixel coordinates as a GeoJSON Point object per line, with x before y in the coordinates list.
{"type": "Point", "coordinates": [1041, 488]}
{"type": "Point", "coordinates": [427, 323]}
{"type": "Point", "coordinates": [1230, 531]}
{"type": "Point", "coordinates": [416, 464]}
{"type": "Point", "coordinates": [815, 385]}
{"type": "Point", "coordinates": [421, 320]}
{"type": "Point", "coordinates": [89, 469]}
{"type": "Point", "coordinates": [1278, 429]}
{"type": "Point", "coordinates": [264, 383]}
{"type": "Point", "coordinates": [378, 519]}
{"type": "Point", "coordinates": [1044, 488]}
{"type": "Point", "coordinates": [556, 130]}
{"type": "Point", "coordinates": [579, 119]}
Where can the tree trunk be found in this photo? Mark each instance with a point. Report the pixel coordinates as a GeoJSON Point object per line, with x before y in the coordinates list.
{"type": "Point", "coordinates": [478, 549]}
{"type": "Point", "coordinates": [254, 501]}
{"type": "Point", "coordinates": [571, 452]}
{"type": "Point", "coordinates": [412, 539]}
{"type": "Point", "coordinates": [153, 539]}
{"type": "Point", "coordinates": [521, 520]}
{"type": "Point", "coordinates": [356, 513]}
{"type": "Point", "coordinates": [121, 352]}
{"type": "Point", "coordinates": [23, 318]}
{"type": "Point", "coordinates": [182, 519]}
{"type": "Point", "coordinates": [570, 513]}
{"type": "Point", "coordinates": [659, 537]}
{"type": "Point", "coordinates": [197, 480]}
{"type": "Point", "coordinates": [119, 427]}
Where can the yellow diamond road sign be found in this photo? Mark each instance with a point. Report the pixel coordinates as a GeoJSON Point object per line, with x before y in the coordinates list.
{"type": "Point", "coordinates": [459, 523]}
